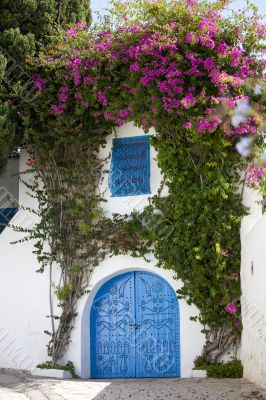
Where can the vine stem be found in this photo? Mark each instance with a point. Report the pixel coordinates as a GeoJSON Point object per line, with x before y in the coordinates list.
{"type": "Point", "coordinates": [51, 296]}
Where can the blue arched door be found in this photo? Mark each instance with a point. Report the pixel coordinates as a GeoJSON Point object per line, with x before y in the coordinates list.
{"type": "Point", "coordinates": [134, 326]}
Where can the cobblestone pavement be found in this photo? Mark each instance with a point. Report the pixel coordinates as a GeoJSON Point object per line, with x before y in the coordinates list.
{"type": "Point", "coordinates": [19, 386]}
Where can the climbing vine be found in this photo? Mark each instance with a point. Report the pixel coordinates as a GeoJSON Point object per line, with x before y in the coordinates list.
{"type": "Point", "coordinates": [182, 68]}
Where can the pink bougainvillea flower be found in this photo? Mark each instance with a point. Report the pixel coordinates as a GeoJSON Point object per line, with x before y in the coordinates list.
{"type": "Point", "coordinates": [222, 48]}
{"type": "Point", "coordinates": [187, 125]}
{"type": "Point", "coordinates": [88, 80]}
{"type": "Point", "coordinates": [134, 67]}
{"type": "Point", "coordinates": [56, 109]}
{"type": "Point", "coordinates": [254, 175]}
{"type": "Point", "coordinates": [209, 27]}
{"type": "Point", "coordinates": [211, 125]}
{"type": "Point", "coordinates": [63, 94]}
{"type": "Point", "coordinates": [261, 31]}
{"type": "Point", "coordinates": [77, 96]}
{"type": "Point", "coordinates": [72, 32]}
{"type": "Point", "coordinates": [102, 98]}
{"type": "Point", "coordinates": [191, 38]}
{"type": "Point", "coordinates": [209, 63]}
{"type": "Point", "coordinates": [188, 101]}
{"type": "Point", "coordinates": [39, 82]}
{"type": "Point", "coordinates": [123, 113]}
{"type": "Point", "coordinates": [81, 25]}
{"type": "Point", "coordinates": [207, 41]}
{"type": "Point", "coordinates": [85, 104]}
{"type": "Point", "coordinates": [231, 308]}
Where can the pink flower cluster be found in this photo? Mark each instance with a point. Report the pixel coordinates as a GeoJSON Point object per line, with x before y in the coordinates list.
{"type": "Point", "coordinates": [164, 67]}
{"type": "Point", "coordinates": [62, 97]}
{"type": "Point", "coordinates": [73, 32]}
{"type": "Point", "coordinates": [39, 82]}
{"type": "Point", "coordinates": [208, 26]}
{"type": "Point", "coordinates": [254, 175]}
{"type": "Point", "coordinates": [187, 125]}
{"type": "Point", "coordinates": [188, 101]}
{"type": "Point", "coordinates": [250, 127]}
{"type": "Point", "coordinates": [114, 118]}
{"type": "Point", "coordinates": [102, 99]}
{"type": "Point", "coordinates": [209, 126]}
{"type": "Point", "coordinates": [231, 308]}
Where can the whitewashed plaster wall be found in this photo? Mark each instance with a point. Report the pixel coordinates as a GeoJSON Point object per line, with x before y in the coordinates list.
{"type": "Point", "coordinates": [253, 282]}
{"type": "Point", "coordinates": [24, 294]}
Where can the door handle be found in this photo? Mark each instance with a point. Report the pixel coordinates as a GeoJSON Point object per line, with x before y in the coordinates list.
{"type": "Point", "coordinates": [135, 325]}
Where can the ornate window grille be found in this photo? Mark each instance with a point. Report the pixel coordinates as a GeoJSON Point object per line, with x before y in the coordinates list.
{"type": "Point", "coordinates": [130, 166]}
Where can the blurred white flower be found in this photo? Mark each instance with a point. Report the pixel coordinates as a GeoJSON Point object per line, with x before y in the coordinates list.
{"type": "Point", "coordinates": [258, 89]}
{"type": "Point", "coordinates": [237, 120]}
{"type": "Point", "coordinates": [244, 146]}
{"type": "Point", "coordinates": [241, 113]}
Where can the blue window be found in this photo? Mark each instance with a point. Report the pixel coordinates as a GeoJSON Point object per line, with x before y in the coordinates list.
{"type": "Point", "coordinates": [6, 214]}
{"type": "Point", "coordinates": [130, 166]}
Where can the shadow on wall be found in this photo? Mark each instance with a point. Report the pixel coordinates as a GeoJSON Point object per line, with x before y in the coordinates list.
{"type": "Point", "coordinates": [9, 192]}
{"type": "Point", "coordinates": [9, 184]}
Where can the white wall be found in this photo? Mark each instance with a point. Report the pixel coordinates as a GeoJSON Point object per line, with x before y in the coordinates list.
{"type": "Point", "coordinates": [253, 281]}
{"type": "Point", "coordinates": [24, 294]}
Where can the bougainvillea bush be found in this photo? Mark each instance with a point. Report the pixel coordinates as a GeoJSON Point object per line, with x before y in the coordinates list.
{"type": "Point", "coordinates": [181, 67]}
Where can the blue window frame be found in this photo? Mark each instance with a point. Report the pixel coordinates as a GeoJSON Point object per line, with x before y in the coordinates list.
{"type": "Point", "coordinates": [6, 214]}
{"type": "Point", "coordinates": [130, 166]}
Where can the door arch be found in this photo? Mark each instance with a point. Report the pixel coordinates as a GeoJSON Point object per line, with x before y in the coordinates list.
{"type": "Point", "coordinates": [134, 328]}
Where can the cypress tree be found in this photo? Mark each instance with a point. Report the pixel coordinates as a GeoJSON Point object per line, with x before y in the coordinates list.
{"type": "Point", "coordinates": [26, 25]}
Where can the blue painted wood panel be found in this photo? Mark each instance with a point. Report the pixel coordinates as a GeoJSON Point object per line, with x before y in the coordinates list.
{"type": "Point", "coordinates": [135, 328]}
{"type": "Point", "coordinates": [112, 337]}
{"type": "Point", "coordinates": [157, 338]}
{"type": "Point", "coordinates": [130, 166]}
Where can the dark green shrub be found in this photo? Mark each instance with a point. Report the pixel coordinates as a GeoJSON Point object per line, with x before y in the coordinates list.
{"type": "Point", "coordinates": [231, 369]}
